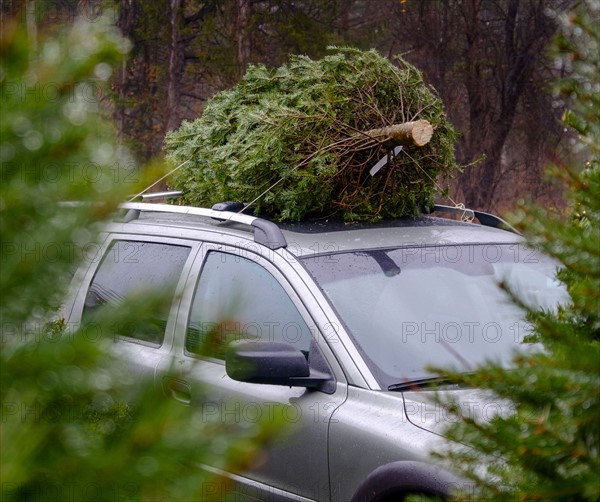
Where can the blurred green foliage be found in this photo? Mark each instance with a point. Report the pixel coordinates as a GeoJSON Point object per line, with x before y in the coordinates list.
{"type": "Point", "coordinates": [75, 424]}
{"type": "Point", "coordinates": [54, 147]}
{"type": "Point", "coordinates": [548, 447]}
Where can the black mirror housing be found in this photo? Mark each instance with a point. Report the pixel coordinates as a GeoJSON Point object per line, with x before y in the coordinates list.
{"type": "Point", "coordinates": [274, 363]}
{"type": "Point", "coordinates": [265, 362]}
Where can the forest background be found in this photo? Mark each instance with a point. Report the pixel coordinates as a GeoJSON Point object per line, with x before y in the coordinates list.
{"type": "Point", "coordinates": [487, 59]}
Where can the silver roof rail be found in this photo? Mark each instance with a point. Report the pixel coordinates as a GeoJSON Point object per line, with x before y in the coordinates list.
{"type": "Point", "coordinates": [266, 232]}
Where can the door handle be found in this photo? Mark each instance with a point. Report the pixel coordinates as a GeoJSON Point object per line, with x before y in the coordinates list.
{"type": "Point", "coordinates": [178, 389]}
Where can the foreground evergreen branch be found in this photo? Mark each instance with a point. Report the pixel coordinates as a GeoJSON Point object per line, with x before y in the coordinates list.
{"type": "Point", "coordinates": [77, 424]}
{"type": "Point", "coordinates": [299, 140]}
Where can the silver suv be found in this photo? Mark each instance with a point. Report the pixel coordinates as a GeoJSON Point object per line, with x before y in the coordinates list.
{"type": "Point", "coordinates": [329, 327]}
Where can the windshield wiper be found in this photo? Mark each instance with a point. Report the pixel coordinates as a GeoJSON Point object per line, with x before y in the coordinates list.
{"type": "Point", "coordinates": [387, 265]}
{"type": "Point", "coordinates": [421, 383]}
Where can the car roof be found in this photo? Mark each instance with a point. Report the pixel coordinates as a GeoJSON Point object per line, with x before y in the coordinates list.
{"type": "Point", "coordinates": [310, 239]}
{"type": "Point", "coordinates": [330, 236]}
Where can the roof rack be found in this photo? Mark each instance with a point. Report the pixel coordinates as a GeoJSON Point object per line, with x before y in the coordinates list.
{"type": "Point", "coordinates": [486, 219]}
{"type": "Point", "coordinates": [266, 232]}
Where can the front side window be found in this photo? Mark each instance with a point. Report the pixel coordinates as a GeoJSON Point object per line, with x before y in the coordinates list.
{"type": "Point", "coordinates": [238, 299]}
{"type": "Point", "coordinates": [411, 308]}
{"type": "Point", "coordinates": [132, 269]}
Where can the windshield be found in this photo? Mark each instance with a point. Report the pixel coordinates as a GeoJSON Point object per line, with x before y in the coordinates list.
{"type": "Point", "coordinates": [413, 307]}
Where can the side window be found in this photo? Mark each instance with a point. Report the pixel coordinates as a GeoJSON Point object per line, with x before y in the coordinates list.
{"type": "Point", "coordinates": [237, 299]}
{"type": "Point", "coordinates": [132, 268]}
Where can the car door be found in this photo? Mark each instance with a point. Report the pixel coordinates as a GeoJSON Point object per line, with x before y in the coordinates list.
{"type": "Point", "coordinates": [133, 265]}
{"type": "Point", "coordinates": [233, 294]}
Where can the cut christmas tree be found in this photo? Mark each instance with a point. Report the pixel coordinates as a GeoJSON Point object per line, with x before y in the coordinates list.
{"type": "Point", "coordinates": [301, 141]}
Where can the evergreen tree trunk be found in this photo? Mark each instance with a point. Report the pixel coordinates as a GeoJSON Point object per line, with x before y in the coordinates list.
{"type": "Point", "coordinates": [417, 133]}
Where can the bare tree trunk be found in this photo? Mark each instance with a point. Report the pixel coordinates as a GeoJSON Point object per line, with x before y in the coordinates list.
{"type": "Point", "coordinates": [486, 59]}
{"type": "Point", "coordinates": [176, 66]}
{"type": "Point", "coordinates": [242, 34]}
{"type": "Point", "coordinates": [494, 91]}
{"type": "Point", "coordinates": [128, 13]}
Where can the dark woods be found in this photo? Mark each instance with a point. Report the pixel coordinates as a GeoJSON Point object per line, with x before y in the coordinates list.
{"type": "Point", "coordinates": [486, 58]}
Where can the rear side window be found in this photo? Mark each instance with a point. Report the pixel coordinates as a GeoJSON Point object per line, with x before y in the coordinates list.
{"type": "Point", "coordinates": [134, 268]}
{"type": "Point", "coordinates": [238, 299]}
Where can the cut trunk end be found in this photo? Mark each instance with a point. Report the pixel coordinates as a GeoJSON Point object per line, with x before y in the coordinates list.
{"type": "Point", "coordinates": [417, 133]}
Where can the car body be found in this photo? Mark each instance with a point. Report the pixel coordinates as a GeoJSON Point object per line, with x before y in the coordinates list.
{"type": "Point", "coordinates": [333, 325]}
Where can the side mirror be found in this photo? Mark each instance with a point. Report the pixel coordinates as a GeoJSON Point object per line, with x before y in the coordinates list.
{"type": "Point", "coordinates": [274, 363]}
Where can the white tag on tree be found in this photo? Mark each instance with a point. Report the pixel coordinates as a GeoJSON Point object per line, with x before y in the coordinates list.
{"type": "Point", "coordinates": [384, 160]}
